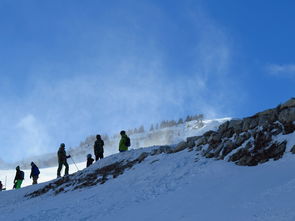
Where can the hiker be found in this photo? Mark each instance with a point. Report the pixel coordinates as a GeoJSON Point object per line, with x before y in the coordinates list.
{"type": "Point", "coordinates": [62, 160]}
{"type": "Point", "coordinates": [89, 160]}
{"type": "Point", "coordinates": [98, 148]}
{"type": "Point", "coordinates": [19, 177]}
{"type": "Point", "coordinates": [124, 142]}
{"type": "Point", "coordinates": [1, 186]}
{"type": "Point", "coordinates": [34, 173]}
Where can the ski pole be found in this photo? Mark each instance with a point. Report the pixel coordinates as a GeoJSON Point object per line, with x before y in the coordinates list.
{"type": "Point", "coordinates": [74, 163]}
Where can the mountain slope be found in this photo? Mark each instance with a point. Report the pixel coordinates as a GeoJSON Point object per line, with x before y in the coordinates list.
{"type": "Point", "coordinates": [188, 181]}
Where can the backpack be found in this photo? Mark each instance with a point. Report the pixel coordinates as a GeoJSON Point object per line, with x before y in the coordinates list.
{"type": "Point", "coordinates": [36, 171]}
{"type": "Point", "coordinates": [22, 175]}
{"type": "Point", "coordinates": [127, 142]}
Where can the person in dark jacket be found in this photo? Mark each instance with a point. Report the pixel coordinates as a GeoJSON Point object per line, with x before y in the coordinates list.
{"type": "Point", "coordinates": [62, 160]}
{"type": "Point", "coordinates": [1, 186]}
{"type": "Point", "coordinates": [98, 148]}
{"type": "Point", "coordinates": [124, 142]}
{"type": "Point", "coordinates": [89, 160]}
{"type": "Point", "coordinates": [34, 173]}
{"type": "Point", "coordinates": [19, 177]}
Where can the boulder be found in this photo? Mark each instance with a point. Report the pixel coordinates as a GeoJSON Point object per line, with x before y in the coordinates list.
{"type": "Point", "coordinates": [287, 115]}
{"type": "Point", "coordinates": [293, 149]}
{"type": "Point", "coordinates": [249, 123]}
{"type": "Point", "coordinates": [236, 125]}
{"type": "Point", "coordinates": [288, 104]}
{"type": "Point", "coordinates": [228, 146]}
{"type": "Point", "coordinates": [181, 146]}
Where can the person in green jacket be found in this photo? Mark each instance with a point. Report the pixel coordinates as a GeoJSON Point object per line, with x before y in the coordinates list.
{"type": "Point", "coordinates": [19, 177]}
{"type": "Point", "coordinates": [124, 142]}
{"type": "Point", "coordinates": [62, 160]}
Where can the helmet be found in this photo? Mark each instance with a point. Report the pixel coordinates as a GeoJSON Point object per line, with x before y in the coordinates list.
{"type": "Point", "coordinates": [98, 136]}
{"type": "Point", "coordinates": [89, 155]}
{"type": "Point", "coordinates": [17, 168]}
{"type": "Point", "coordinates": [62, 145]}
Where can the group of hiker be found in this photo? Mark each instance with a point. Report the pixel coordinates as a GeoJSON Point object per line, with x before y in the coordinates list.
{"type": "Point", "coordinates": [62, 160]}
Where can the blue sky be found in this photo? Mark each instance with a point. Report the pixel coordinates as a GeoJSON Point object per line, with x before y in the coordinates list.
{"type": "Point", "coordinates": [69, 69]}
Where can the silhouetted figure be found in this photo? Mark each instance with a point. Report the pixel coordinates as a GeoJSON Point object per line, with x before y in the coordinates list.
{"type": "Point", "coordinates": [98, 148]}
{"type": "Point", "coordinates": [62, 160]}
{"type": "Point", "coordinates": [34, 173]}
{"type": "Point", "coordinates": [89, 160]}
{"type": "Point", "coordinates": [1, 186]}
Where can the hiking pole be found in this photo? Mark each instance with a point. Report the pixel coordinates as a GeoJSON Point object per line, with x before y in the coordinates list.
{"type": "Point", "coordinates": [5, 182]}
{"type": "Point", "coordinates": [74, 163]}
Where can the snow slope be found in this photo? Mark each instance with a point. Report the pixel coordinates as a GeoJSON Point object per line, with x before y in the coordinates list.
{"type": "Point", "coordinates": [177, 186]}
{"type": "Point", "coordinates": [165, 184]}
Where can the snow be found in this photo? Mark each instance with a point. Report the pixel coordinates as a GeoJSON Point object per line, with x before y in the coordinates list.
{"type": "Point", "coordinates": [179, 186]}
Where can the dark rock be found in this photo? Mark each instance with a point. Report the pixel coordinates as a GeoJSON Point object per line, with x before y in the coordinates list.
{"type": "Point", "coordinates": [223, 127]}
{"type": "Point", "coordinates": [240, 139]}
{"type": "Point", "coordinates": [289, 128]}
{"type": "Point", "coordinates": [181, 146]}
{"type": "Point", "coordinates": [287, 115]}
{"type": "Point", "coordinates": [249, 123]}
{"type": "Point", "coordinates": [228, 146]}
{"type": "Point", "coordinates": [239, 154]}
{"type": "Point", "coordinates": [288, 104]}
{"type": "Point", "coordinates": [293, 149]}
{"type": "Point", "coordinates": [236, 125]}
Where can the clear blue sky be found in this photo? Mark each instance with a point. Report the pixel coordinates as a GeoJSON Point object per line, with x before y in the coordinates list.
{"type": "Point", "coordinates": [69, 69]}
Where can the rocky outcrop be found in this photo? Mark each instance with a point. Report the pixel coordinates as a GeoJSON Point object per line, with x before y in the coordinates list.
{"type": "Point", "coordinates": [251, 140]}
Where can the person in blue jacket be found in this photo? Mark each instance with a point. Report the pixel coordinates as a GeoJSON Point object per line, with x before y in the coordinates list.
{"type": "Point", "coordinates": [34, 173]}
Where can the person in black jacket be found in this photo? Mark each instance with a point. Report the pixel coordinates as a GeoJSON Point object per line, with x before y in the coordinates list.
{"type": "Point", "coordinates": [34, 173]}
{"type": "Point", "coordinates": [1, 186]}
{"type": "Point", "coordinates": [89, 160]}
{"type": "Point", "coordinates": [62, 160]}
{"type": "Point", "coordinates": [19, 177]}
{"type": "Point", "coordinates": [98, 148]}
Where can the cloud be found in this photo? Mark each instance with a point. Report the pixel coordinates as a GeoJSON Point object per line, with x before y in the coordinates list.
{"type": "Point", "coordinates": [126, 83]}
{"type": "Point", "coordinates": [287, 70]}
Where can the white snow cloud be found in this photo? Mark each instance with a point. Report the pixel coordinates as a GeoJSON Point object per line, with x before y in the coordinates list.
{"type": "Point", "coordinates": [122, 89]}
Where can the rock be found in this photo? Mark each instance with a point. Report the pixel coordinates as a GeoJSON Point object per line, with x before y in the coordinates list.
{"type": "Point", "coordinates": [239, 154]}
{"type": "Point", "coordinates": [223, 127]}
{"type": "Point", "coordinates": [289, 128]}
{"type": "Point", "coordinates": [236, 125]}
{"type": "Point", "coordinates": [214, 138]}
{"type": "Point", "coordinates": [229, 132]}
{"type": "Point", "coordinates": [288, 104]}
{"type": "Point", "coordinates": [270, 114]}
{"type": "Point", "coordinates": [249, 123]}
{"type": "Point", "coordinates": [287, 115]}
{"type": "Point", "coordinates": [201, 141]}
{"type": "Point", "coordinates": [181, 146]}
{"type": "Point", "coordinates": [228, 146]}
{"type": "Point", "coordinates": [209, 133]}
{"type": "Point", "coordinates": [240, 139]}
{"type": "Point", "coordinates": [293, 149]}
{"type": "Point", "coordinates": [192, 139]}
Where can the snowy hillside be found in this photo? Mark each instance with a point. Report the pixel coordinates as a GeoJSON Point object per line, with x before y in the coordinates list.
{"type": "Point", "coordinates": [176, 186]}
{"type": "Point", "coordinates": [241, 170]}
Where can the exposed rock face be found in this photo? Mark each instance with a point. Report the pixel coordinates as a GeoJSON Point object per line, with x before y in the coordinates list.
{"type": "Point", "coordinates": [249, 141]}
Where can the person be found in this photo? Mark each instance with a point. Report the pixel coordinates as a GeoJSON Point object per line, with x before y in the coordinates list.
{"type": "Point", "coordinates": [98, 147]}
{"type": "Point", "coordinates": [62, 160]}
{"type": "Point", "coordinates": [89, 160]}
{"type": "Point", "coordinates": [19, 177]}
{"type": "Point", "coordinates": [1, 186]}
{"type": "Point", "coordinates": [34, 173]}
{"type": "Point", "coordinates": [124, 142]}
